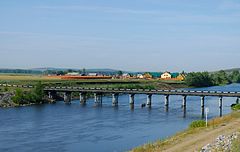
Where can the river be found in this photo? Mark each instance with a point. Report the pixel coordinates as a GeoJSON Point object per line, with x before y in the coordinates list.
{"type": "Point", "coordinates": [61, 127]}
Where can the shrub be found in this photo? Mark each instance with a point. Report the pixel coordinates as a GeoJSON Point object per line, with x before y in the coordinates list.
{"type": "Point", "coordinates": [235, 107]}
{"type": "Point", "coordinates": [197, 124]}
{"type": "Point", "coordinates": [33, 96]}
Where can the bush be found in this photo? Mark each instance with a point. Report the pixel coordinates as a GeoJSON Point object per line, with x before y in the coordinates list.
{"type": "Point", "coordinates": [235, 107]}
{"type": "Point", "coordinates": [197, 124]}
{"type": "Point", "coordinates": [34, 96]}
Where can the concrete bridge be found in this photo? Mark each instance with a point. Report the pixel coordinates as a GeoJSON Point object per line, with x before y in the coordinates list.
{"type": "Point", "coordinates": [98, 93]}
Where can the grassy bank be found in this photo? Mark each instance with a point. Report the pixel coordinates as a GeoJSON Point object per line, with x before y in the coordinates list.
{"type": "Point", "coordinates": [190, 133]}
{"type": "Point", "coordinates": [110, 83]}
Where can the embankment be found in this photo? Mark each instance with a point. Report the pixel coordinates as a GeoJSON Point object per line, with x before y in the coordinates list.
{"type": "Point", "coordinates": [195, 139]}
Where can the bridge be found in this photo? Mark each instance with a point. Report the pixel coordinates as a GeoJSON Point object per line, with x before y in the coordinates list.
{"type": "Point", "coordinates": [98, 93]}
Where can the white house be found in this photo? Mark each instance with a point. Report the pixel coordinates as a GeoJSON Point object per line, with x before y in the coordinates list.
{"type": "Point", "coordinates": [92, 74]}
{"type": "Point", "coordinates": [72, 73]}
{"type": "Point", "coordinates": [140, 76]}
{"type": "Point", "coordinates": [166, 75]}
{"type": "Point", "coordinates": [126, 75]}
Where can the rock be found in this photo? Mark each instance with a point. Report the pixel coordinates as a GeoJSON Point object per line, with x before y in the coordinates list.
{"type": "Point", "coordinates": [6, 100]}
{"type": "Point", "coordinates": [222, 143]}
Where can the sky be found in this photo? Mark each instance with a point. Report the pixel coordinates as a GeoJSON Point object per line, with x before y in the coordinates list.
{"type": "Point", "coordinates": [136, 35]}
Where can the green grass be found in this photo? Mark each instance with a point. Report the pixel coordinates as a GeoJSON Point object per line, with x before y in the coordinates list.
{"type": "Point", "coordinates": [236, 145]}
{"type": "Point", "coordinates": [197, 124]}
{"type": "Point", "coordinates": [236, 107]}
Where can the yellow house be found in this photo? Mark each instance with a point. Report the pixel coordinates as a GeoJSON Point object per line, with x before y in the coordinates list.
{"type": "Point", "coordinates": [166, 75]}
{"type": "Point", "coordinates": [181, 77]}
{"type": "Point", "coordinates": [147, 76]}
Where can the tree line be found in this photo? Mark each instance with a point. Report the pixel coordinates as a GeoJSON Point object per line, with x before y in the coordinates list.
{"type": "Point", "coordinates": [206, 79]}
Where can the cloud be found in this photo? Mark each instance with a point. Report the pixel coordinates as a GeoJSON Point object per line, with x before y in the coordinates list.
{"type": "Point", "coordinates": [99, 9]}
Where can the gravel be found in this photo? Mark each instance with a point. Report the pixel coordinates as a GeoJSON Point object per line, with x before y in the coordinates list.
{"type": "Point", "coordinates": [221, 143]}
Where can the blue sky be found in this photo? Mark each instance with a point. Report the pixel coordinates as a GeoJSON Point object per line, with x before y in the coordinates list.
{"type": "Point", "coordinates": [138, 35]}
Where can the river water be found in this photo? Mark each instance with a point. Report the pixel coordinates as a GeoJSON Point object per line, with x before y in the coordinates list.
{"type": "Point", "coordinates": [60, 127]}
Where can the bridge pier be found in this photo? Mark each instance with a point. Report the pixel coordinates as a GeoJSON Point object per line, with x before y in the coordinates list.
{"type": "Point", "coordinates": [82, 97]}
{"type": "Point", "coordinates": [220, 106]}
{"type": "Point", "coordinates": [184, 112]}
{"type": "Point", "coordinates": [131, 99]}
{"type": "Point", "coordinates": [67, 97]}
{"type": "Point", "coordinates": [184, 102]}
{"type": "Point", "coordinates": [149, 100]}
{"type": "Point", "coordinates": [50, 95]}
{"type": "Point", "coordinates": [166, 101]}
{"type": "Point", "coordinates": [114, 99]}
{"type": "Point", "coordinates": [237, 101]}
{"type": "Point", "coordinates": [202, 105]}
{"type": "Point", "coordinates": [98, 98]}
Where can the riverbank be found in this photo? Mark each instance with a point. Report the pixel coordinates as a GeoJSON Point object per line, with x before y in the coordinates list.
{"type": "Point", "coordinates": [196, 139]}
{"type": "Point", "coordinates": [7, 102]}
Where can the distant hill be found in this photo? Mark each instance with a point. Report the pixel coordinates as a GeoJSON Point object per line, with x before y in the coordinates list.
{"type": "Point", "coordinates": [20, 71]}
{"type": "Point", "coordinates": [231, 70]}
{"type": "Point", "coordinates": [50, 69]}
{"type": "Point", "coordinates": [227, 70]}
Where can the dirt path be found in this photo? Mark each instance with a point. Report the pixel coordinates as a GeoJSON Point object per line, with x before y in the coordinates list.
{"type": "Point", "coordinates": [194, 142]}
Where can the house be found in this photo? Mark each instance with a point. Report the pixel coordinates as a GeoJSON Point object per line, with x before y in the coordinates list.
{"type": "Point", "coordinates": [156, 75]}
{"type": "Point", "coordinates": [126, 75]}
{"type": "Point", "coordinates": [147, 75]}
{"type": "Point", "coordinates": [181, 77]}
{"type": "Point", "coordinates": [72, 73]}
{"type": "Point", "coordinates": [92, 74]}
{"type": "Point", "coordinates": [140, 76]}
{"type": "Point", "coordinates": [174, 75]}
{"type": "Point", "coordinates": [166, 75]}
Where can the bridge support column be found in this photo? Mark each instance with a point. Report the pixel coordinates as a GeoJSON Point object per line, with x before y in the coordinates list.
{"type": "Point", "coordinates": [98, 98]}
{"type": "Point", "coordinates": [184, 102]}
{"type": "Point", "coordinates": [237, 101]}
{"type": "Point", "coordinates": [202, 105]}
{"type": "Point", "coordinates": [166, 100]}
{"type": "Point", "coordinates": [114, 99]}
{"type": "Point", "coordinates": [220, 106]}
{"type": "Point", "coordinates": [50, 95]}
{"type": "Point", "coordinates": [67, 97]}
{"type": "Point", "coordinates": [82, 98]}
{"type": "Point", "coordinates": [131, 99]}
{"type": "Point", "coordinates": [149, 100]}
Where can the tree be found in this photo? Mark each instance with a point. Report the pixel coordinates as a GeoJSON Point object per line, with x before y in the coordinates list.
{"type": "Point", "coordinates": [199, 79]}
{"type": "Point", "coordinates": [119, 73]}
{"type": "Point", "coordinates": [220, 78]}
{"type": "Point", "coordinates": [38, 92]}
{"type": "Point", "coordinates": [84, 71]}
{"type": "Point", "coordinates": [19, 97]}
{"type": "Point", "coordinates": [235, 76]}
{"type": "Point", "coordinates": [69, 70]}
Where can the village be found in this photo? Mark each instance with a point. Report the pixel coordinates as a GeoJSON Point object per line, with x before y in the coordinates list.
{"type": "Point", "coordinates": [144, 75]}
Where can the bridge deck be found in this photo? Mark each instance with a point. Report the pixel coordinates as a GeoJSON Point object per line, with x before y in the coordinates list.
{"type": "Point", "coordinates": [144, 91]}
